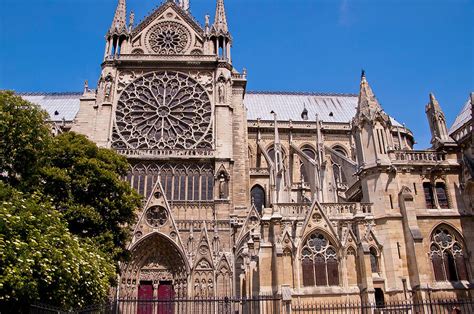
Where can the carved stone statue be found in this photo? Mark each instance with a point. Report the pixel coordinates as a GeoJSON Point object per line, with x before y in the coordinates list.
{"type": "Point", "coordinates": [223, 194]}
{"type": "Point", "coordinates": [221, 92]}
{"type": "Point", "coordinates": [107, 89]}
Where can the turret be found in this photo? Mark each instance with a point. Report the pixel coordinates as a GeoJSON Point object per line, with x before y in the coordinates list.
{"type": "Point", "coordinates": [219, 33]}
{"type": "Point", "coordinates": [437, 121]}
{"type": "Point", "coordinates": [371, 127]}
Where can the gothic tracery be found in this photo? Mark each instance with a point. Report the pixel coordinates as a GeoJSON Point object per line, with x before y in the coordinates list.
{"type": "Point", "coordinates": [163, 110]}
{"type": "Point", "coordinates": [168, 38]}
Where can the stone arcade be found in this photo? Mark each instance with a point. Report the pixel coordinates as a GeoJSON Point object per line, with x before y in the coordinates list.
{"type": "Point", "coordinates": [319, 196]}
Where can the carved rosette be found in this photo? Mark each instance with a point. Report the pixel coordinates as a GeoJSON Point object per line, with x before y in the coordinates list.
{"type": "Point", "coordinates": [168, 37]}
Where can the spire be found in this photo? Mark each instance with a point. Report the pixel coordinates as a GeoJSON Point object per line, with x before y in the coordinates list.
{"type": "Point", "coordinates": [119, 24]}
{"type": "Point", "coordinates": [220, 20]}
{"type": "Point", "coordinates": [368, 105]}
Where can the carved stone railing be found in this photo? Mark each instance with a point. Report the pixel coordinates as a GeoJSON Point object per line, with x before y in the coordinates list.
{"type": "Point", "coordinates": [154, 57]}
{"type": "Point", "coordinates": [197, 225]}
{"type": "Point", "coordinates": [165, 153]}
{"type": "Point", "coordinates": [292, 209]}
{"type": "Point", "coordinates": [189, 205]}
{"type": "Point", "coordinates": [335, 209]}
{"type": "Point", "coordinates": [299, 210]}
{"type": "Point", "coordinates": [424, 156]}
{"type": "Point", "coordinates": [239, 76]}
{"type": "Point", "coordinates": [259, 171]}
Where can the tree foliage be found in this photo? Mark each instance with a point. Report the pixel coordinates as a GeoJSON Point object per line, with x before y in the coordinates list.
{"type": "Point", "coordinates": [85, 183]}
{"type": "Point", "coordinates": [40, 260]}
{"type": "Point", "coordinates": [65, 210]}
{"type": "Point", "coordinates": [24, 136]}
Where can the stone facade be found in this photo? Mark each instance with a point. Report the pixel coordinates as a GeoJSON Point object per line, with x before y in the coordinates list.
{"type": "Point", "coordinates": [335, 205]}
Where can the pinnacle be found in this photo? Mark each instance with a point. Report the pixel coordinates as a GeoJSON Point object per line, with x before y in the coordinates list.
{"type": "Point", "coordinates": [119, 23]}
{"type": "Point", "coordinates": [433, 103]}
{"type": "Point", "coordinates": [220, 19]}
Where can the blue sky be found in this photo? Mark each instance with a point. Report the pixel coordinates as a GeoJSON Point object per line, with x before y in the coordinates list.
{"type": "Point", "coordinates": [407, 47]}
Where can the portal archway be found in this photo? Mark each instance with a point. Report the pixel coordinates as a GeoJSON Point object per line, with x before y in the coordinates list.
{"type": "Point", "coordinates": [157, 263]}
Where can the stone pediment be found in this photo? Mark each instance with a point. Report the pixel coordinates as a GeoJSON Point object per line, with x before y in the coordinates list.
{"type": "Point", "coordinates": [168, 30]}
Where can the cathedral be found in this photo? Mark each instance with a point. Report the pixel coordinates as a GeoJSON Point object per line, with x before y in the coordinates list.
{"type": "Point", "coordinates": [310, 196]}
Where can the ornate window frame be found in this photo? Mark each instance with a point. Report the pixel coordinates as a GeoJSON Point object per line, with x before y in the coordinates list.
{"type": "Point", "coordinates": [447, 252]}
{"type": "Point", "coordinates": [319, 251]}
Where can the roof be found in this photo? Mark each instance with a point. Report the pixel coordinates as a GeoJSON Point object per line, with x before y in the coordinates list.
{"type": "Point", "coordinates": [462, 118]}
{"type": "Point", "coordinates": [58, 105]}
{"type": "Point", "coordinates": [340, 108]}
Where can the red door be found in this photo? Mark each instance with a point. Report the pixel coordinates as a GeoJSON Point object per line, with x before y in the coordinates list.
{"type": "Point", "coordinates": [165, 297]}
{"type": "Point", "coordinates": [145, 297]}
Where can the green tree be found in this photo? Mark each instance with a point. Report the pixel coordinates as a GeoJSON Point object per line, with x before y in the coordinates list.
{"type": "Point", "coordinates": [24, 136]}
{"type": "Point", "coordinates": [40, 260]}
{"type": "Point", "coordinates": [85, 183]}
{"type": "Point", "coordinates": [66, 212]}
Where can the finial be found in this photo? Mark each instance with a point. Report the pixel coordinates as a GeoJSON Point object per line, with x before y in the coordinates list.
{"type": "Point", "coordinates": [132, 19]}
{"type": "Point", "coordinates": [86, 86]}
{"type": "Point", "coordinates": [362, 74]}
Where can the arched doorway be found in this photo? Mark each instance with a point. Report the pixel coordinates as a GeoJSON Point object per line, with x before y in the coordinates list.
{"type": "Point", "coordinates": [258, 197]}
{"type": "Point", "coordinates": [157, 270]}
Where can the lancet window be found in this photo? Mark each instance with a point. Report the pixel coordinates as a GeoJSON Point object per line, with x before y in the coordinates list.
{"type": "Point", "coordinates": [374, 260]}
{"type": "Point", "coordinates": [305, 168]}
{"type": "Point", "coordinates": [320, 265]}
{"type": "Point", "coordinates": [447, 255]}
{"type": "Point", "coordinates": [180, 182]}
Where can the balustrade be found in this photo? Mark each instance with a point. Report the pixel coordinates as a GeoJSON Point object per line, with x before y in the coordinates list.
{"type": "Point", "coordinates": [418, 156]}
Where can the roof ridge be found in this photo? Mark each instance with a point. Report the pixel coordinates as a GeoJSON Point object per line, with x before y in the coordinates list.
{"type": "Point", "coordinates": [302, 93]}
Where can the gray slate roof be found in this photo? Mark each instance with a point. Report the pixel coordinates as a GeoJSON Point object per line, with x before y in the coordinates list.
{"type": "Point", "coordinates": [58, 105]}
{"type": "Point", "coordinates": [462, 118]}
{"type": "Point", "coordinates": [330, 107]}
{"type": "Point", "coordinates": [259, 105]}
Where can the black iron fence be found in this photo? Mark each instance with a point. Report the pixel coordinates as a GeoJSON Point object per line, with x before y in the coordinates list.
{"type": "Point", "coordinates": [444, 306]}
{"type": "Point", "coordinates": [263, 305]}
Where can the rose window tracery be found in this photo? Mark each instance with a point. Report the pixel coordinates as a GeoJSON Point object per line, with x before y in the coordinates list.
{"type": "Point", "coordinates": [156, 216]}
{"type": "Point", "coordinates": [168, 38]}
{"type": "Point", "coordinates": [163, 110]}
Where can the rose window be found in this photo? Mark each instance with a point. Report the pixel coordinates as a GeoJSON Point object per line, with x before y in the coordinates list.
{"type": "Point", "coordinates": [163, 110]}
{"type": "Point", "coordinates": [168, 38]}
{"type": "Point", "coordinates": [156, 216]}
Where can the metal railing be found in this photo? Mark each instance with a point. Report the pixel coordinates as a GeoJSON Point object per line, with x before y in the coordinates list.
{"type": "Point", "coordinates": [442, 306]}
{"type": "Point", "coordinates": [261, 304]}
{"type": "Point", "coordinates": [265, 304]}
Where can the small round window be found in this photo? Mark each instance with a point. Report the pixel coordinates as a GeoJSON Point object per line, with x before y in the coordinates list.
{"type": "Point", "coordinates": [156, 216]}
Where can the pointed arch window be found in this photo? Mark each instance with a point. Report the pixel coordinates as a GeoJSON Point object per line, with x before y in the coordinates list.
{"type": "Point", "coordinates": [447, 255]}
{"type": "Point", "coordinates": [305, 168]}
{"type": "Point", "coordinates": [258, 197]}
{"type": "Point", "coordinates": [429, 198]}
{"type": "Point", "coordinates": [374, 260]}
{"type": "Point", "coordinates": [180, 182]}
{"type": "Point", "coordinates": [441, 195]}
{"type": "Point", "coordinates": [320, 265]}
